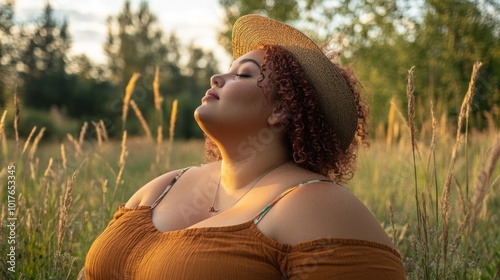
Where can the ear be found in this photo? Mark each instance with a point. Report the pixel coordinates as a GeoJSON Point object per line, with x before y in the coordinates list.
{"type": "Point", "coordinates": [277, 116]}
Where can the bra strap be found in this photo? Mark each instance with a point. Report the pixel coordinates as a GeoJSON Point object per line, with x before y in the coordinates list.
{"type": "Point", "coordinates": [268, 207]}
{"type": "Point", "coordinates": [169, 186]}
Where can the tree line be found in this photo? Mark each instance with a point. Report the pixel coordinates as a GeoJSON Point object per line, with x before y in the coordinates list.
{"type": "Point", "coordinates": [381, 39]}
{"type": "Point", "coordinates": [60, 91]}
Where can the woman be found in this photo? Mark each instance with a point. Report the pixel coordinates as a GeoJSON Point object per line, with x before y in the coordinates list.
{"type": "Point", "coordinates": [282, 127]}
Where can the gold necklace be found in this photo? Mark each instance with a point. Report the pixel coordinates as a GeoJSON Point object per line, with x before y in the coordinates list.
{"type": "Point", "coordinates": [212, 208]}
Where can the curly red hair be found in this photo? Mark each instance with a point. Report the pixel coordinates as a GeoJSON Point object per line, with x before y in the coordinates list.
{"type": "Point", "coordinates": [310, 139]}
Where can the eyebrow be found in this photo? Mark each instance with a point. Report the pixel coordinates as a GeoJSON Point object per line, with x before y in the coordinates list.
{"type": "Point", "coordinates": [249, 60]}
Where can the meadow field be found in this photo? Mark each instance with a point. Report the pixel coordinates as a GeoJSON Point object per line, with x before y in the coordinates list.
{"type": "Point", "coordinates": [433, 186]}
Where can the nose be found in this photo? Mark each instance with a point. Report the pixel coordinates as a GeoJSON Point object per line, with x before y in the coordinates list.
{"type": "Point", "coordinates": [216, 81]}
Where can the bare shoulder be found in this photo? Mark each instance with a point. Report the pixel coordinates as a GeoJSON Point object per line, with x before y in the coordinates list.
{"type": "Point", "coordinates": [148, 193]}
{"type": "Point", "coordinates": [322, 210]}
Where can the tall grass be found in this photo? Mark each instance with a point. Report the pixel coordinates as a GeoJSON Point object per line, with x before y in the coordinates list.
{"type": "Point", "coordinates": [67, 192]}
{"type": "Point", "coordinates": [63, 198]}
{"type": "Point", "coordinates": [443, 241]}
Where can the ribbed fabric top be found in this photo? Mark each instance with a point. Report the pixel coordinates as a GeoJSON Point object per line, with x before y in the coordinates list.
{"type": "Point", "coordinates": [131, 247]}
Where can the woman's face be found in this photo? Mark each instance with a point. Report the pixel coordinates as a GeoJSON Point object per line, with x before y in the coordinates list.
{"type": "Point", "coordinates": [235, 102]}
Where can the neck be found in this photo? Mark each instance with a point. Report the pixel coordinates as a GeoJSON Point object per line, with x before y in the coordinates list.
{"type": "Point", "coordinates": [240, 169]}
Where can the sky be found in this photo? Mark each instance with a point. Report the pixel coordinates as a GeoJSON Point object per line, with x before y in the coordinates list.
{"type": "Point", "coordinates": [192, 20]}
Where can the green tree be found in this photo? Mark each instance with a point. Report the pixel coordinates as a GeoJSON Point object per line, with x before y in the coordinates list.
{"type": "Point", "coordinates": [283, 10]}
{"type": "Point", "coordinates": [7, 48]}
{"type": "Point", "coordinates": [455, 34]}
{"type": "Point", "coordinates": [91, 91]}
{"type": "Point", "coordinates": [441, 38]}
{"type": "Point", "coordinates": [134, 43]}
{"type": "Point", "coordinates": [44, 61]}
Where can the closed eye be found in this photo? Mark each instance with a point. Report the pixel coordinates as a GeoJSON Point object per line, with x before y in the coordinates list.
{"type": "Point", "coordinates": [242, 75]}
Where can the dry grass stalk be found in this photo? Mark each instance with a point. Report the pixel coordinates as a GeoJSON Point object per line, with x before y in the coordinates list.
{"type": "Point", "coordinates": [83, 130]}
{"type": "Point", "coordinates": [159, 143]}
{"type": "Point", "coordinates": [464, 113]}
{"type": "Point", "coordinates": [124, 152]}
{"type": "Point", "coordinates": [33, 165]}
{"type": "Point", "coordinates": [173, 118]}
{"type": "Point", "coordinates": [470, 91]}
{"type": "Point", "coordinates": [483, 179]}
{"type": "Point", "coordinates": [75, 143]}
{"type": "Point", "coordinates": [3, 138]}
{"type": "Point", "coordinates": [458, 237]}
{"type": "Point", "coordinates": [16, 117]}
{"type": "Point", "coordinates": [63, 156]}
{"type": "Point", "coordinates": [103, 130]}
{"type": "Point", "coordinates": [48, 170]}
{"type": "Point", "coordinates": [426, 245]}
{"type": "Point", "coordinates": [98, 133]}
{"type": "Point", "coordinates": [29, 139]}
{"type": "Point", "coordinates": [433, 153]}
{"type": "Point", "coordinates": [410, 93]}
{"type": "Point", "coordinates": [64, 211]}
{"type": "Point", "coordinates": [46, 199]}
{"type": "Point", "coordinates": [144, 124]}
{"type": "Point", "coordinates": [481, 186]}
{"type": "Point", "coordinates": [128, 94]}
{"type": "Point", "coordinates": [104, 188]}
{"type": "Point", "coordinates": [35, 143]}
{"type": "Point", "coordinates": [119, 177]}
{"type": "Point", "coordinates": [2, 121]}
{"type": "Point", "coordinates": [29, 220]}
{"type": "Point", "coordinates": [121, 162]}
{"type": "Point", "coordinates": [461, 197]}
{"type": "Point", "coordinates": [445, 205]}
{"type": "Point", "coordinates": [432, 146]}
{"type": "Point", "coordinates": [156, 89]}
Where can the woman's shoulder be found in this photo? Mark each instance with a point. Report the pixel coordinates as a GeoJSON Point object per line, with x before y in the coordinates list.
{"type": "Point", "coordinates": [148, 193]}
{"type": "Point", "coordinates": [322, 210]}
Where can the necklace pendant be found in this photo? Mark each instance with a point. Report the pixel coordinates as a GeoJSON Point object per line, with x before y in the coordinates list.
{"type": "Point", "coordinates": [212, 210]}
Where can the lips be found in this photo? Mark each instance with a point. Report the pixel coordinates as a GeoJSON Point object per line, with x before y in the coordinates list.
{"type": "Point", "coordinates": [211, 93]}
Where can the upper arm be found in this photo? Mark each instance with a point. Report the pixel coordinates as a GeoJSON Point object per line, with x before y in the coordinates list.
{"type": "Point", "coordinates": [322, 210]}
{"type": "Point", "coordinates": [147, 194]}
{"type": "Point", "coordinates": [327, 260]}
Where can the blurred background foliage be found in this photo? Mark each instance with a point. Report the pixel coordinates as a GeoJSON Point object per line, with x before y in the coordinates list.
{"type": "Point", "coordinates": [380, 39]}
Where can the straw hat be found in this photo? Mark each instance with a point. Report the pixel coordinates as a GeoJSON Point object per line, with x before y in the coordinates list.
{"type": "Point", "coordinates": [333, 94]}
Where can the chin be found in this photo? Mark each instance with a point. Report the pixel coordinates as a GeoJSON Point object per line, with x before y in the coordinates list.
{"type": "Point", "coordinates": [201, 117]}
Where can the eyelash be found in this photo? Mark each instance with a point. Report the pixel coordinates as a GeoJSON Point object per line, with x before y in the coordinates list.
{"type": "Point", "coordinates": [242, 75]}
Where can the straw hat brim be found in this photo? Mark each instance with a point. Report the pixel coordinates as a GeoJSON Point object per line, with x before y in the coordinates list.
{"type": "Point", "coordinates": [333, 94]}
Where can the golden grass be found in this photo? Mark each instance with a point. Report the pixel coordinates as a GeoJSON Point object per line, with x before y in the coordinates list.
{"type": "Point", "coordinates": [16, 117]}
{"type": "Point", "coordinates": [26, 145]}
{"type": "Point", "coordinates": [99, 133]}
{"type": "Point", "coordinates": [156, 89]}
{"type": "Point", "coordinates": [121, 162]}
{"type": "Point", "coordinates": [171, 133]}
{"type": "Point", "coordinates": [128, 95]}
{"type": "Point", "coordinates": [440, 260]}
{"type": "Point", "coordinates": [3, 137]}
{"type": "Point", "coordinates": [143, 122]}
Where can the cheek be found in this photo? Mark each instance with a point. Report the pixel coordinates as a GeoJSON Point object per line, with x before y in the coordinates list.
{"type": "Point", "coordinates": [251, 96]}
